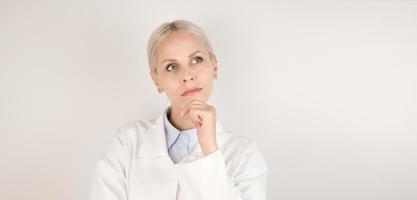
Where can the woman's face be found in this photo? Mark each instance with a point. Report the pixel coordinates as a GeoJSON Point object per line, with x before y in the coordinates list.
{"type": "Point", "coordinates": [183, 62]}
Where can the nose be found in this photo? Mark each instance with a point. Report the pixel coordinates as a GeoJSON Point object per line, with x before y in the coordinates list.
{"type": "Point", "coordinates": [187, 76]}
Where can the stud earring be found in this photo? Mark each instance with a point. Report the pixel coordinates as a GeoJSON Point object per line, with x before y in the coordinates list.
{"type": "Point", "coordinates": [160, 90]}
{"type": "Point", "coordinates": [215, 76]}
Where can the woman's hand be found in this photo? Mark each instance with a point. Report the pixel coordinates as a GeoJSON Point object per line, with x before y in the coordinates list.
{"type": "Point", "coordinates": [203, 116]}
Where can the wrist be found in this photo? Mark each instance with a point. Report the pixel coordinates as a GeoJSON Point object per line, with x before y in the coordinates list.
{"type": "Point", "coordinates": [208, 149]}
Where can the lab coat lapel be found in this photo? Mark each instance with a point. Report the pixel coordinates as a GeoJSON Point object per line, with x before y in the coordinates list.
{"type": "Point", "coordinates": [153, 144]}
{"type": "Point", "coordinates": [156, 177]}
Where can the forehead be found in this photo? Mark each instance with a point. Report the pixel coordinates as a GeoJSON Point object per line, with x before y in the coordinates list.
{"type": "Point", "coordinates": [179, 44]}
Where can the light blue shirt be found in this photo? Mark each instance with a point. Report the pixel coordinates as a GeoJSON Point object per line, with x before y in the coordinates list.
{"type": "Point", "coordinates": [180, 143]}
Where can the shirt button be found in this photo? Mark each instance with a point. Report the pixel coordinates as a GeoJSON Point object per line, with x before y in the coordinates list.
{"type": "Point", "coordinates": [179, 148]}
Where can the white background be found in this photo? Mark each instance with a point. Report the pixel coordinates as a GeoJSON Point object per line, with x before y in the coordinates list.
{"type": "Point", "coordinates": [328, 90]}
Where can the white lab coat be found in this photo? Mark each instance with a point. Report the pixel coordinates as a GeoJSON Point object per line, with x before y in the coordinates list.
{"type": "Point", "coordinates": [137, 166]}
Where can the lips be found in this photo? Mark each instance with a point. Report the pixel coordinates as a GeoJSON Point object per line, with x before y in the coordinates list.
{"type": "Point", "coordinates": [191, 91]}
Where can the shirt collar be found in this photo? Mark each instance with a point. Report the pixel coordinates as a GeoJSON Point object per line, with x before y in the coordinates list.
{"type": "Point", "coordinates": [172, 133]}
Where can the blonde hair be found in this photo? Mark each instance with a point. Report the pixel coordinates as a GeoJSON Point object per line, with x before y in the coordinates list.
{"type": "Point", "coordinates": [165, 29]}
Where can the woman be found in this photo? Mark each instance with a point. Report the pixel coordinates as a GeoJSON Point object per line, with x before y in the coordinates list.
{"type": "Point", "coordinates": [184, 153]}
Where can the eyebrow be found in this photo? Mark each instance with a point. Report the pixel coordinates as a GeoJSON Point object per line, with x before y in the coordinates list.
{"type": "Point", "coordinates": [176, 60]}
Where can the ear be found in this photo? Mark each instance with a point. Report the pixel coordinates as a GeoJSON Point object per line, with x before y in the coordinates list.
{"type": "Point", "coordinates": [214, 61]}
{"type": "Point", "coordinates": [154, 77]}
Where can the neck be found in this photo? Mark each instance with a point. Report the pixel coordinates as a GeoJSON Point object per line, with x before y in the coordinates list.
{"type": "Point", "coordinates": [181, 123]}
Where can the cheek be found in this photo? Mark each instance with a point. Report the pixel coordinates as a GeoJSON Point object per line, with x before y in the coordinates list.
{"type": "Point", "coordinates": [207, 77]}
{"type": "Point", "coordinates": [207, 84]}
{"type": "Point", "coordinates": [172, 89]}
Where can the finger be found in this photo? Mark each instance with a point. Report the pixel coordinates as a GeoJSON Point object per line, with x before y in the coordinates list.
{"type": "Point", "coordinates": [196, 123]}
{"type": "Point", "coordinates": [195, 110]}
{"type": "Point", "coordinates": [198, 114]}
{"type": "Point", "coordinates": [194, 102]}
{"type": "Point", "coordinates": [186, 107]}
{"type": "Point", "coordinates": [191, 103]}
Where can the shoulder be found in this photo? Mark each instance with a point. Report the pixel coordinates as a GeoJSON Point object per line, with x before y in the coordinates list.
{"type": "Point", "coordinates": [133, 130]}
{"type": "Point", "coordinates": [239, 148]}
{"type": "Point", "coordinates": [231, 140]}
{"type": "Point", "coordinates": [135, 126]}
{"type": "Point", "coordinates": [242, 155]}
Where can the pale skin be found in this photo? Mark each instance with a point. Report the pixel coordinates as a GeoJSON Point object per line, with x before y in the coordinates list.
{"type": "Point", "coordinates": [183, 62]}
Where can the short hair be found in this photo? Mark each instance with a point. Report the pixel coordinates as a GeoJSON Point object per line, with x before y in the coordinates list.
{"type": "Point", "coordinates": [168, 27]}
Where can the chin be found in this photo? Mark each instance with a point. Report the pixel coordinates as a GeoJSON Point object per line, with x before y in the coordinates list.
{"type": "Point", "coordinates": [185, 99]}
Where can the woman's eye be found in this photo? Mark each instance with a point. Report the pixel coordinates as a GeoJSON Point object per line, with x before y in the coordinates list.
{"type": "Point", "coordinates": [198, 59]}
{"type": "Point", "coordinates": [170, 67]}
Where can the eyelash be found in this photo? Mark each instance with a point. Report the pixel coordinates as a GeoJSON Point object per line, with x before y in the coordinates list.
{"type": "Point", "coordinates": [173, 63]}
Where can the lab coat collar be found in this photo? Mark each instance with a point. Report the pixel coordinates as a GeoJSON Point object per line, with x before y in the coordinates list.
{"type": "Point", "coordinates": [154, 143]}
